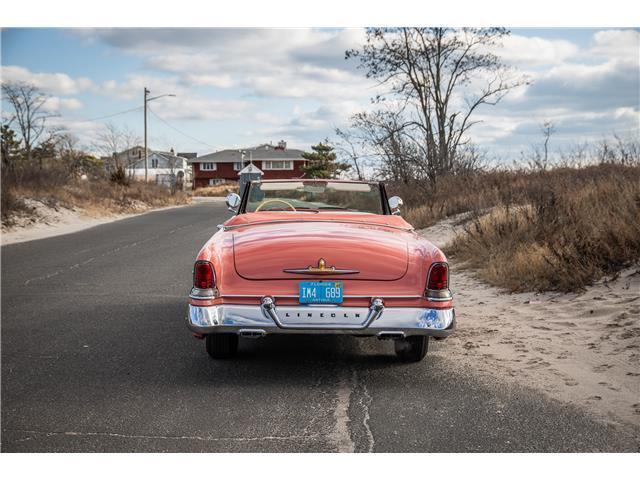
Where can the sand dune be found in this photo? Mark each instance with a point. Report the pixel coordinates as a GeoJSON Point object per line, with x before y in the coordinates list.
{"type": "Point", "coordinates": [579, 348]}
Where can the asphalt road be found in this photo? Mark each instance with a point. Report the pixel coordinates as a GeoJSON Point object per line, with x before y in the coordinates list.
{"type": "Point", "coordinates": [96, 357]}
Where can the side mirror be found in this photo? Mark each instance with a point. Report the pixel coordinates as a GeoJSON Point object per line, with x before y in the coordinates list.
{"type": "Point", "coordinates": [395, 203]}
{"type": "Point", "coordinates": [233, 201]}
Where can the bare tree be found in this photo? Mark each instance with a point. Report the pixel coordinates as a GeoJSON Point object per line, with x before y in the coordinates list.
{"type": "Point", "coordinates": [575, 156]}
{"type": "Point", "coordinates": [29, 112]}
{"type": "Point", "coordinates": [116, 143]}
{"type": "Point", "coordinates": [389, 142]}
{"type": "Point", "coordinates": [547, 129]}
{"type": "Point", "coordinates": [347, 146]}
{"type": "Point", "coordinates": [622, 151]}
{"type": "Point", "coordinates": [538, 156]}
{"type": "Point", "coordinates": [431, 70]}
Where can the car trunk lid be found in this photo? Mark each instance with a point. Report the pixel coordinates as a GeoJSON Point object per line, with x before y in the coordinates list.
{"type": "Point", "coordinates": [320, 251]}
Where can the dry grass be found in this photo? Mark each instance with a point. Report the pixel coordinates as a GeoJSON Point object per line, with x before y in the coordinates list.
{"type": "Point", "coordinates": [559, 230]}
{"type": "Point", "coordinates": [96, 198]}
{"type": "Point", "coordinates": [221, 190]}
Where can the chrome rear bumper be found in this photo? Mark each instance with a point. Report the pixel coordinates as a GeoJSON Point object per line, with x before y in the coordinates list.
{"type": "Point", "coordinates": [254, 320]}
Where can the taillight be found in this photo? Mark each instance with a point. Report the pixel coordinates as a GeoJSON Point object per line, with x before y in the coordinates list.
{"type": "Point", "coordinates": [203, 276]}
{"type": "Point", "coordinates": [438, 277]}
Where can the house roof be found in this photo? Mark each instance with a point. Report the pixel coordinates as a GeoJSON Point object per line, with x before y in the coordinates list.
{"type": "Point", "coordinates": [251, 168]}
{"type": "Point", "coordinates": [167, 156]}
{"type": "Point", "coordinates": [261, 152]}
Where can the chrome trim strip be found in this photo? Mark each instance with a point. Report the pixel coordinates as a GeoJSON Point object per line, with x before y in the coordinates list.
{"type": "Point", "coordinates": [306, 271]}
{"type": "Point", "coordinates": [200, 294]}
{"type": "Point", "coordinates": [439, 295]}
{"type": "Point", "coordinates": [232, 227]}
{"type": "Point", "coordinates": [321, 269]}
{"type": "Point", "coordinates": [296, 296]}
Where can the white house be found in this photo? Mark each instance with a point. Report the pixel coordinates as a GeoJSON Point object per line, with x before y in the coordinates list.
{"type": "Point", "coordinates": [162, 167]}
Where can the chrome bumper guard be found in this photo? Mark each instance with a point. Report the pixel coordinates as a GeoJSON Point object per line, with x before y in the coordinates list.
{"type": "Point", "coordinates": [253, 320]}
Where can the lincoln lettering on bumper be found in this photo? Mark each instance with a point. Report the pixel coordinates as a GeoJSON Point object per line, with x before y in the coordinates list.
{"type": "Point", "coordinates": [375, 320]}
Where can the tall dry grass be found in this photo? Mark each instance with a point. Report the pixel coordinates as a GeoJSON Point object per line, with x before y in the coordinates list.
{"type": "Point", "coordinates": [220, 190]}
{"type": "Point", "coordinates": [557, 230]}
{"type": "Point", "coordinates": [96, 197]}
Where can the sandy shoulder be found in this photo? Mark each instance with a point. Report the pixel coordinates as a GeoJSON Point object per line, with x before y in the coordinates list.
{"type": "Point", "coordinates": [583, 348]}
{"type": "Point", "coordinates": [59, 221]}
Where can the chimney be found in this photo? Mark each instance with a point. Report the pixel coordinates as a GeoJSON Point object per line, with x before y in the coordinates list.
{"type": "Point", "coordinates": [172, 152]}
{"type": "Point", "coordinates": [282, 145]}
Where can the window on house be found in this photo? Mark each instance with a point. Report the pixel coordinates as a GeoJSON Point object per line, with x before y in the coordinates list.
{"type": "Point", "coordinates": [154, 163]}
{"type": "Point", "coordinates": [277, 165]}
{"type": "Point", "coordinates": [215, 181]}
{"type": "Point", "coordinates": [207, 166]}
{"type": "Point", "coordinates": [237, 166]}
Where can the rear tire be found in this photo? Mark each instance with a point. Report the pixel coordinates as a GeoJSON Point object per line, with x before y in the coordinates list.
{"type": "Point", "coordinates": [412, 349]}
{"type": "Point", "coordinates": [222, 345]}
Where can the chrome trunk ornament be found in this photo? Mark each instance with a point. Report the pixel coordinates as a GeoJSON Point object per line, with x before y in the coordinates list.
{"type": "Point", "coordinates": [321, 269]}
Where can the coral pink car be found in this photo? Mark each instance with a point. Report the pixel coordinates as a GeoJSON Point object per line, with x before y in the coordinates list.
{"type": "Point", "coordinates": [319, 257]}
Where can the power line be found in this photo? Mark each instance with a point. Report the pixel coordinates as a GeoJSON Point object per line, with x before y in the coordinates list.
{"type": "Point", "coordinates": [113, 114]}
{"type": "Point", "coordinates": [178, 130]}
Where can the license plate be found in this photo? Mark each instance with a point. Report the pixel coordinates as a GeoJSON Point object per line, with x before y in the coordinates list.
{"type": "Point", "coordinates": [320, 292]}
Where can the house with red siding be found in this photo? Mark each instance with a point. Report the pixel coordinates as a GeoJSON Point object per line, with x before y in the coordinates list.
{"type": "Point", "coordinates": [276, 161]}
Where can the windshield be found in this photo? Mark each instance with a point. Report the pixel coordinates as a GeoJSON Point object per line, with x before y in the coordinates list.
{"type": "Point", "coordinates": [314, 196]}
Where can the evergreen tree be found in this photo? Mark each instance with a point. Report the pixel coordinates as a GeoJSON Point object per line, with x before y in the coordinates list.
{"type": "Point", "coordinates": [322, 162]}
{"type": "Point", "coordinates": [9, 146]}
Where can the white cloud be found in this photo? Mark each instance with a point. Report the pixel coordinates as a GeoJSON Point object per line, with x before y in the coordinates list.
{"type": "Point", "coordinates": [620, 45]}
{"type": "Point", "coordinates": [192, 107]}
{"type": "Point", "coordinates": [286, 63]}
{"type": "Point", "coordinates": [535, 51]}
{"type": "Point", "coordinates": [186, 105]}
{"type": "Point", "coordinates": [54, 83]}
{"type": "Point", "coordinates": [57, 103]}
{"type": "Point", "coordinates": [302, 127]}
{"type": "Point", "coordinates": [133, 86]}
{"type": "Point", "coordinates": [220, 81]}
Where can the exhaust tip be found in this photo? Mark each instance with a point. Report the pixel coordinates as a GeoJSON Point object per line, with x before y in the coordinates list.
{"type": "Point", "coordinates": [391, 335]}
{"type": "Point", "coordinates": [252, 332]}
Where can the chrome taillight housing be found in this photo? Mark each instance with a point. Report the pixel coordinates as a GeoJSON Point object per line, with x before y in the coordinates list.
{"type": "Point", "coordinates": [204, 280]}
{"type": "Point", "coordinates": [438, 282]}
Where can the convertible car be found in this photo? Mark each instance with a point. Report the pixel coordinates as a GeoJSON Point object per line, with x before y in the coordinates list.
{"type": "Point", "coordinates": [319, 257]}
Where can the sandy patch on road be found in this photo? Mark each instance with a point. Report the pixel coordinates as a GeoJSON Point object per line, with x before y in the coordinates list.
{"type": "Point", "coordinates": [583, 348]}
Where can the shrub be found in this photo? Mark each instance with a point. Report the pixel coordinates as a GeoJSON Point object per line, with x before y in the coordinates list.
{"type": "Point", "coordinates": [119, 176]}
{"type": "Point", "coordinates": [565, 230]}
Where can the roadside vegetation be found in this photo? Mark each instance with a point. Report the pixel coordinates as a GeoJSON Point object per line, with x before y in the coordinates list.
{"type": "Point", "coordinates": [220, 190]}
{"type": "Point", "coordinates": [552, 231]}
{"type": "Point", "coordinates": [557, 228]}
{"type": "Point", "coordinates": [45, 169]}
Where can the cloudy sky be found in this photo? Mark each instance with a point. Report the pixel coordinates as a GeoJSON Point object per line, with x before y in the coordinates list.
{"type": "Point", "coordinates": [238, 88]}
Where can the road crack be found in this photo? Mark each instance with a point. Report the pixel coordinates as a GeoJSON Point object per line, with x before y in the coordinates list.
{"type": "Point", "coordinates": [352, 395]}
{"type": "Point", "coordinates": [340, 435]}
{"type": "Point", "coordinates": [365, 402]}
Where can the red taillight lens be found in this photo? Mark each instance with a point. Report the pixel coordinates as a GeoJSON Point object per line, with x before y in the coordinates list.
{"type": "Point", "coordinates": [203, 276]}
{"type": "Point", "coordinates": [438, 277]}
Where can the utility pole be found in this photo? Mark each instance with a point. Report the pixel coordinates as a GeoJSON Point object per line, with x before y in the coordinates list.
{"type": "Point", "coordinates": [146, 152]}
